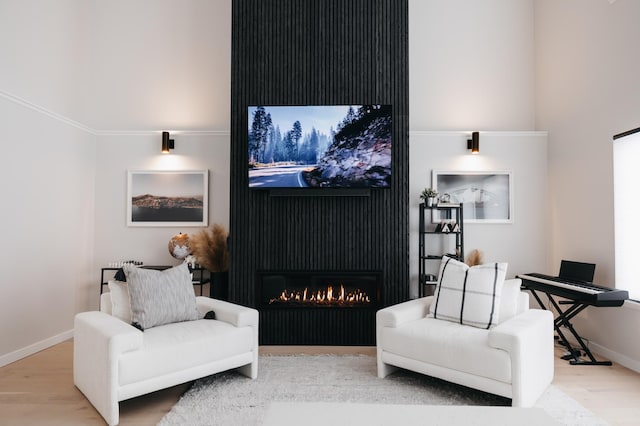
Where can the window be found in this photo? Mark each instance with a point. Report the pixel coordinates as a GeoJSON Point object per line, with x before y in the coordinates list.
{"type": "Point", "coordinates": [626, 195]}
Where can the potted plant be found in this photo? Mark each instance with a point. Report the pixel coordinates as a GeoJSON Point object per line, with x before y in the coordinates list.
{"type": "Point", "coordinates": [429, 196]}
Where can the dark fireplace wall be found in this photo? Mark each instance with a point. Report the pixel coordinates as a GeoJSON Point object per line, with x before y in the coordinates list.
{"type": "Point", "coordinates": [319, 52]}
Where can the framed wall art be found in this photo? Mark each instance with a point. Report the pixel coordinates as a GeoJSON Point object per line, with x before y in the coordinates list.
{"type": "Point", "coordinates": [487, 197]}
{"type": "Point", "coordinates": [167, 198]}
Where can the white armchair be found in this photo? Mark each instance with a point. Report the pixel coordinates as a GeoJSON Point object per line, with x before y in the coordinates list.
{"type": "Point", "coordinates": [114, 361]}
{"type": "Point", "coordinates": [513, 359]}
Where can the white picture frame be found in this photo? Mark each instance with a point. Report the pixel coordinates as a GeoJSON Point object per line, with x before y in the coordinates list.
{"type": "Point", "coordinates": [486, 196]}
{"type": "Point", "coordinates": [168, 198]}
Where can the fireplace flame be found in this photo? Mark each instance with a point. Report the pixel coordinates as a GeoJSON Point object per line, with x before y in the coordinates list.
{"type": "Point", "coordinates": [323, 297]}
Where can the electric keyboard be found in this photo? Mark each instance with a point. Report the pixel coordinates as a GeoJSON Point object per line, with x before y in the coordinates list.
{"type": "Point", "coordinates": [586, 293]}
{"type": "Point", "coordinates": [580, 295]}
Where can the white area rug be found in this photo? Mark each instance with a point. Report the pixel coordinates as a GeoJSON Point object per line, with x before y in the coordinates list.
{"type": "Point", "coordinates": [358, 414]}
{"type": "Point", "coordinates": [231, 399]}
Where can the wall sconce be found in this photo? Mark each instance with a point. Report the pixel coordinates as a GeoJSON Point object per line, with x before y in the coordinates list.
{"type": "Point", "coordinates": [167, 144]}
{"type": "Point", "coordinates": [474, 143]}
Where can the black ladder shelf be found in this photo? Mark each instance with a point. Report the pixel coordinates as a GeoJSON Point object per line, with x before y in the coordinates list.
{"type": "Point", "coordinates": [450, 214]}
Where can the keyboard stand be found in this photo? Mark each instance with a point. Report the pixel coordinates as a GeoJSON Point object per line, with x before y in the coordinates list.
{"type": "Point", "coordinates": [564, 319]}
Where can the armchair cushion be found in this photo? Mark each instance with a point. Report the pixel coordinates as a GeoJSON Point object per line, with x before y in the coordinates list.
{"type": "Point", "coordinates": [448, 345]}
{"type": "Point", "coordinates": [160, 297]}
{"type": "Point", "coordinates": [179, 346]}
{"type": "Point", "coordinates": [469, 295]}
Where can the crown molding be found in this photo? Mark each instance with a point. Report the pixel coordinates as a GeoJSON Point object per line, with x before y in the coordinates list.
{"type": "Point", "coordinates": [95, 132]}
{"type": "Point", "coordinates": [156, 132]}
{"type": "Point", "coordinates": [68, 121]}
{"type": "Point", "coordinates": [44, 111]}
{"type": "Point", "coordinates": [485, 133]}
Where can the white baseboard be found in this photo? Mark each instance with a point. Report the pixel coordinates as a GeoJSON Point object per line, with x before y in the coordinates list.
{"type": "Point", "coordinates": [602, 351]}
{"type": "Point", "coordinates": [625, 361]}
{"type": "Point", "coordinates": [36, 347]}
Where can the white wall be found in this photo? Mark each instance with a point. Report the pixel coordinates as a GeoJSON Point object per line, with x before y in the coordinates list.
{"type": "Point", "coordinates": [158, 65]}
{"type": "Point", "coordinates": [47, 184]}
{"type": "Point", "coordinates": [85, 89]}
{"type": "Point", "coordinates": [471, 65]}
{"type": "Point", "coordinates": [472, 68]}
{"type": "Point", "coordinates": [524, 154]}
{"type": "Point", "coordinates": [587, 91]}
{"type": "Point", "coordinates": [47, 174]}
{"type": "Point", "coordinates": [45, 49]}
{"type": "Point", "coordinates": [118, 153]}
{"type": "Point", "coordinates": [162, 64]}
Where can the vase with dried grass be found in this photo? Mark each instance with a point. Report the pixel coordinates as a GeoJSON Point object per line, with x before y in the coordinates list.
{"type": "Point", "coordinates": [209, 247]}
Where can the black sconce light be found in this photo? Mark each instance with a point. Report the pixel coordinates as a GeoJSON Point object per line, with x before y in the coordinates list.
{"type": "Point", "coordinates": [474, 143]}
{"type": "Point", "coordinates": [167, 144]}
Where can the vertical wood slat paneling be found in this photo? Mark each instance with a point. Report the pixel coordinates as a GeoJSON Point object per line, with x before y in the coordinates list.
{"type": "Point", "coordinates": [296, 52]}
{"type": "Point", "coordinates": [317, 327]}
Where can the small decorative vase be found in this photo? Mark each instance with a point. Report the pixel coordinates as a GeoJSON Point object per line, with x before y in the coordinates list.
{"type": "Point", "coordinates": [431, 201]}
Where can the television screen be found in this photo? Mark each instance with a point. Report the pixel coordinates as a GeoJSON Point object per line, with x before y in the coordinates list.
{"type": "Point", "coordinates": [327, 146]}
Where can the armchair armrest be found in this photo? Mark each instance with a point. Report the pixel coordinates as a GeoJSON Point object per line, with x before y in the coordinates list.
{"type": "Point", "coordinates": [393, 317]}
{"type": "Point", "coordinates": [99, 340]}
{"type": "Point", "coordinates": [99, 328]}
{"type": "Point", "coordinates": [240, 316]}
{"type": "Point", "coordinates": [396, 315]}
{"type": "Point", "coordinates": [528, 337]}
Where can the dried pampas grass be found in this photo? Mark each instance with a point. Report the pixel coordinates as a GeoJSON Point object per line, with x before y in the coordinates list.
{"type": "Point", "coordinates": [209, 247]}
{"type": "Point", "coordinates": [474, 258]}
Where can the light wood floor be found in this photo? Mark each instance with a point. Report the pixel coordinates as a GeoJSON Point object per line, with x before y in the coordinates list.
{"type": "Point", "coordinates": [39, 390]}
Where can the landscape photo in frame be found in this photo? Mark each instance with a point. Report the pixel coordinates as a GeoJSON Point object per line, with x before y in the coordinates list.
{"type": "Point", "coordinates": [487, 197]}
{"type": "Point", "coordinates": [167, 198]}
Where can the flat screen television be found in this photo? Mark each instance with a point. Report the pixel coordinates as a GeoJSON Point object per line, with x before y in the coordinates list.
{"type": "Point", "coordinates": [320, 146]}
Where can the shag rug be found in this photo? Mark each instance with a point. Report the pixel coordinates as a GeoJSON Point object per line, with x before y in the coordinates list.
{"type": "Point", "coordinates": [229, 398]}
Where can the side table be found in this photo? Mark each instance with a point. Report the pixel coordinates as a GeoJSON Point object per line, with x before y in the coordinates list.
{"type": "Point", "coordinates": [200, 275]}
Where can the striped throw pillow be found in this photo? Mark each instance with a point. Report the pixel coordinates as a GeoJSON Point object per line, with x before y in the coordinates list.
{"type": "Point", "coordinates": [160, 297]}
{"type": "Point", "coordinates": [468, 295]}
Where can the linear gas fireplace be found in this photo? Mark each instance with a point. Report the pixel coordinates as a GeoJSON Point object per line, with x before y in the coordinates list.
{"type": "Point", "coordinates": [313, 307]}
{"type": "Point", "coordinates": [319, 289]}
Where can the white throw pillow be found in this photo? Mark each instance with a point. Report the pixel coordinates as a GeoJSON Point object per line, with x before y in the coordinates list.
{"type": "Point", "coordinates": [120, 305]}
{"type": "Point", "coordinates": [509, 299]}
{"type": "Point", "coordinates": [160, 297]}
{"type": "Point", "coordinates": [468, 295]}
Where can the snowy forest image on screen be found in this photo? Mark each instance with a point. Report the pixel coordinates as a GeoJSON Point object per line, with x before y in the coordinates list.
{"type": "Point", "coordinates": [320, 146]}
